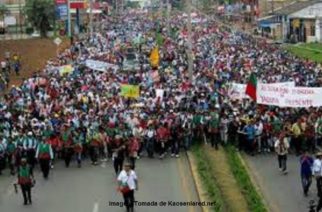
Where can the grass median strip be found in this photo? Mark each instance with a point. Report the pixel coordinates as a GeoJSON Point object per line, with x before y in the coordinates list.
{"type": "Point", "coordinates": [208, 179]}
{"type": "Point", "coordinates": [310, 52]}
{"type": "Point", "coordinates": [254, 200]}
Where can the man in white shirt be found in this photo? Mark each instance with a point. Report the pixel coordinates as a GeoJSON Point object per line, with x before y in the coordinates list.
{"type": "Point", "coordinates": [258, 134]}
{"type": "Point", "coordinates": [128, 182]}
{"type": "Point", "coordinates": [317, 172]}
{"type": "Point", "coordinates": [281, 148]}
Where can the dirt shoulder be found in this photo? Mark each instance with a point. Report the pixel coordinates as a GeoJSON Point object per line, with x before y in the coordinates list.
{"type": "Point", "coordinates": [33, 53]}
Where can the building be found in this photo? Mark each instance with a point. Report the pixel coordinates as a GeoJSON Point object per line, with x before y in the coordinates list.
{"type": "Point", "coordinates": [15, 7]}
{"type": "Point", "coordinates": [298, 22]}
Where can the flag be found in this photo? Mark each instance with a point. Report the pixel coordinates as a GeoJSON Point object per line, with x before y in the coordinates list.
{"type": "Point", "coordinates": [251, 86]}
{"type": "Point", "coordinates": [154, 57]}
{"type": "Point", "coordinates": [131, 91]}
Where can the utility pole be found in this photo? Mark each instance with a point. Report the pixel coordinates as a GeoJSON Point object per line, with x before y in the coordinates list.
{"type": "Point", "coordinates": [91, 17]}
{"type": "Point", "coordinates": [168, 17]}
{"type": "Point", "coordinates": [20, 18]}
{"type": "Point", "coordinates": [272, 6]}
{"type": "Point", "coordinates": [190, 62]}
{"type": "Point", "coordinates": [69, 23]}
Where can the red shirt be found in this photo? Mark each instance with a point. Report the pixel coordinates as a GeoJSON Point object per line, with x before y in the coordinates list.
{"type": "Point", "coordinates": [163, 133]}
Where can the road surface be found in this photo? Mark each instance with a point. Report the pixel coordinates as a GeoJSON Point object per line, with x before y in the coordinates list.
{"type": "Point", "coordinates": [93, 189]}
{"type": "Point", "coordinates": [283, 192]}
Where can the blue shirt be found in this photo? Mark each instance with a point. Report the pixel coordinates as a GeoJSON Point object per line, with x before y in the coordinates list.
{"type": "Point", "coordinates": [250, 132]}
{"type": "Point", "coordinates": [306, 165]}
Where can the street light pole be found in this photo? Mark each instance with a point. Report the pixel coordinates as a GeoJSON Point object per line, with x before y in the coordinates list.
{"type": "Point", "coordinates": [190, 62]}
{"type": "Point", "coordinates": [168, 16]}
{"type": "Point", "coordinates": [69, 19]}
{"type": "Point", "coordinates": [91, 17]}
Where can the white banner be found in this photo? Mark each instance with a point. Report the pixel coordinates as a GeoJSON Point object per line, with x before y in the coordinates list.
{"type": "Point", "coordinates": [237, 91]}
{"type": "Point", "coordinates": [100, 66]}
{"type": "Point", "coordinates": [289, 96]}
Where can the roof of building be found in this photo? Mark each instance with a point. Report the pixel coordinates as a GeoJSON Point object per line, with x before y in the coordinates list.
{"type": "Point", "coordinates": [296, 6]}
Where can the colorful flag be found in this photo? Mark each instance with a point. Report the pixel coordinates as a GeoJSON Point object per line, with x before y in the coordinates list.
{"type": "Point", "coordinates": [131, 91]}
{"type": "Point", "coordinates": [251, 87]}
{"type": "Point", "coordinates": [154, 57]}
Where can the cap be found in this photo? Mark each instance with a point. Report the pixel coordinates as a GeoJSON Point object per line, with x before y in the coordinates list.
{"type": "Point", "coordinates": [29, 133]}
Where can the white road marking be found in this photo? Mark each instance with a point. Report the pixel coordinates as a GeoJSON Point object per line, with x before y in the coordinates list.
{"type": "Point", "coordinates": [95, 208]}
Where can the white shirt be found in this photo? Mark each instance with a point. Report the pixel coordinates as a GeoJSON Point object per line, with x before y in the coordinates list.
{"type": "Point", "coordinates": [281, 146]}
{"type": "Point", "coordinates": [317, 167]}
{"type": "Point", "coordinates": [128, 179]}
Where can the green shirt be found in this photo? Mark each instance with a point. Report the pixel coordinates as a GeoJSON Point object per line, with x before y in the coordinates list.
{"type": "Point", "coordinates": [277, 125]}
{"type": "Point", "coordinates": [44, 148]}
{"type": "Point", "coordinates": [24, 171]}
{"type": "Point", "coordinates": [214, 120]}
{"type": "Point", "coordinates": [11, 147]}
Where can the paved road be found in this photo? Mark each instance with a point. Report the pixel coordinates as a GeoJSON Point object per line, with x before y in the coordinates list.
{"type": "Point", "coordinates": [283, 192]}
{"type": "Point", "coordinates": [90, 189]}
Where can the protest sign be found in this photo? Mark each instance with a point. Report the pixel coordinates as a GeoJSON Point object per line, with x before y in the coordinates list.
{"type": "Point", "coordinates": [237, 91]}
{"type": "Point", "coordinates": [67, 69]}
{"type": "Point", "coordinates": [159, 93]}
{"type": "Point", "coordinates": [99, 65]}
{"type": "Point", "coordinates": [277, 95]}
{"type": "Point", "coordinates": [131, 91]}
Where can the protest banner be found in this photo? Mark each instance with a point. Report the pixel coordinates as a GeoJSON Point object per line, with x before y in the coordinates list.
{"type": "Point", "coordinates": [277, 95]}
{"type": "Point", "coordinates": [67, 69]}
{"type": "Point", "coordinates": [236, 91]}
{"type": "Point", "coordinates": [131, 91]}
{"type": "Point", "coordinates": [99, 65]}
{"type": "Point", "coordinates": [159, 93]}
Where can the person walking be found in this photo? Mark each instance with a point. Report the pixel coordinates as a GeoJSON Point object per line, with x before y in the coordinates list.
{"type": "Point", "coordinates": [317, 172]}
{"type": "Point", "coordinates": [118, 148]}
{"type": "Point", "coordinates": [213, 127]}
{"type": "Point", "coordinates": [296, 136]}
{"type": "Point", "coordinates": [2, 156]}
{"type": "Point", "coordinates": [306, 162]}
{"type": "Point", "coordinates": [249, 131]}
{"type": "Point", "coordinates": [133, 148]}
{"type": "Point", "coordinates": [128, 183]}
{"type": "Point", "coordinates": [30, 144]}
{"type": "Point", "coordinates": [11, 149]}
{"type": "Point", "coordinates": [44, 154]}
{"type": "Point", "coordinates": [25, 180]}
{"type": "Point", "coordinates": [67, 141]}
{"type": "Point", "coordinates": [281, 148]}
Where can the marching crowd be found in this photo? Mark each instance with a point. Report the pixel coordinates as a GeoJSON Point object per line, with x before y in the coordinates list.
{"type": "Point", "coordinates": [82, 114]}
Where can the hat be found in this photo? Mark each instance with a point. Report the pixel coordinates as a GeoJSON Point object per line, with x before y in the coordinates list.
{"type": "Point", "coordinates": [319, 154]}
{"type": "Point", "coordinates": [29, 133]}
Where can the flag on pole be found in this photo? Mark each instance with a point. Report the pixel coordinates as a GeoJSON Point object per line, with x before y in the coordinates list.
{"type": "Point", "coordinates": [154, 57]}
{"type": "Point", "coordinates": [251, 86]}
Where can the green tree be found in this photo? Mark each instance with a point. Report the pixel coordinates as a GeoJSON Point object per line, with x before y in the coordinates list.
{"type": "Point", "coordinates": [3, 11]}
{"type": "Point", "coordinates": [133, 4]}
{"type": "Point", "coordinates": [41, 14]}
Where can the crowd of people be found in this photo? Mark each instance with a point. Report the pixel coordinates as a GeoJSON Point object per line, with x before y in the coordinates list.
{"type": "Point", "coordinates": [82, 114]}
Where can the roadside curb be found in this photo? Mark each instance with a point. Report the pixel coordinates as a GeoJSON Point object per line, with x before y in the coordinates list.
{"type": "Point", "coordinates": [256, 182]}
{"type": "Point", "coordinates": [197, 181]}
